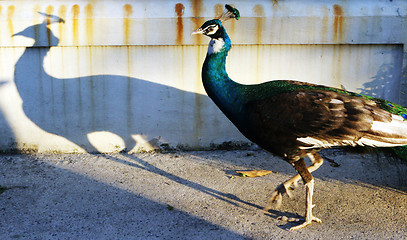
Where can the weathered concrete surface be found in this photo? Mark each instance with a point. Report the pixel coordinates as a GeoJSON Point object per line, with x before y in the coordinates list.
{"type": "Point", "coordinates": [190, 195]}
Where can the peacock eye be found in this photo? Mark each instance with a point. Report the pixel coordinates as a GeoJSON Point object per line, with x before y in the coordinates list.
{"type": "Point", "coordinates": [210, 30]}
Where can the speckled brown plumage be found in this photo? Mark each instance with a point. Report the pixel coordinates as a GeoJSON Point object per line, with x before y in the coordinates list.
{"type": "Point", "coordinates": [276, 122]}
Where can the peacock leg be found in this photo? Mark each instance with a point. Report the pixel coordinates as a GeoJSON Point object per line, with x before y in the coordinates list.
{"type": "Point", "coordinates": [277, 195]}
{"type": "Point", "coordinates": [309, 218]}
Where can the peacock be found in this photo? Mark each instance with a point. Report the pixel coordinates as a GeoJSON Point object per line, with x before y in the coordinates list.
{"type": "Point", "coordinates": [294, 119]}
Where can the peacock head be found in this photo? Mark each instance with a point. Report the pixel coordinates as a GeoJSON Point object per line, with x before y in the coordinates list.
{"type": "Point", "coordinates": [213, 28]}
{"type": "Point", "coordinates": [42, 33]}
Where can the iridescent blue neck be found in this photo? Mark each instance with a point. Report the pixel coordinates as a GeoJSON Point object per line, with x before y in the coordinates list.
{"type": "Point", "coordinates": [220, 88]}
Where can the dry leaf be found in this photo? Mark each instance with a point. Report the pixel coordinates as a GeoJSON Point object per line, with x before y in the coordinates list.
{"type": "Point", "coordinates": [254, 173]}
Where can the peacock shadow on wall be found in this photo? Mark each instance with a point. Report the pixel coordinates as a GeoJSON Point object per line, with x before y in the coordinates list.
{"type": "Point", "coordinates": [75, 107]}
{"type": "Point", "coordinates": [379, 82]}
{"type": "Point", "coordinates": [386, 80]}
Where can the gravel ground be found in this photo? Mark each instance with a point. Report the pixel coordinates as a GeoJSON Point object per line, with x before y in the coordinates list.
{"type": "Point", "coordinates": [191, 195]}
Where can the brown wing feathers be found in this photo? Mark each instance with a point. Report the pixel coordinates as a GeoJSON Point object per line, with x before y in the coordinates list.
{"type": "Point", "coordinates": [324, 115]}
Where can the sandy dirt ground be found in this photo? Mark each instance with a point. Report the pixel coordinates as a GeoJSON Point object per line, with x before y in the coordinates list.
{"type": "Point", "coordinates": [192, 195]}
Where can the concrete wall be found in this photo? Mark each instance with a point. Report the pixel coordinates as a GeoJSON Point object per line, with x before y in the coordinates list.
{"type": "Point", "coordinates": [126, 74]}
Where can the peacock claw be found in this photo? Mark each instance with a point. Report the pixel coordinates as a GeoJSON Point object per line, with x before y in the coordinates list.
{"type": "Point", "coordinates": [284, 188]}
{"type": "Point", "coordinates": [306, 223]}
{"type": "Point", "coordinates": [277, 197]}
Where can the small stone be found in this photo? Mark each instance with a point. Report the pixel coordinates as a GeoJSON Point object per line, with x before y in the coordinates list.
{"type": "Point", "coordinates": [291, 219]}
{"type": "Point", "coordinates": [283, 218]}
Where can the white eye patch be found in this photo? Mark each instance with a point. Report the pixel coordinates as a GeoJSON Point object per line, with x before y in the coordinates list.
{"type": "Point", "coordinates": [211, 29]}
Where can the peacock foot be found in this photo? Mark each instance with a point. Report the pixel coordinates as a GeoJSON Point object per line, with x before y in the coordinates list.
{"type": "Point", "coordinates": [277, 197]}
{"type": "Point", "coordinates": [306, 223]}
{"type": "Point", "coordinates": [309, 217]}
{"type": "Point", "coordinates": [285, 188]}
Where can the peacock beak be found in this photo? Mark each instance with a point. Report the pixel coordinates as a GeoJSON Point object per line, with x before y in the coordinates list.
{"type": "Point", "coordinates": [198, 31]}
{"type": "Point", "coordinates": [22, 33]}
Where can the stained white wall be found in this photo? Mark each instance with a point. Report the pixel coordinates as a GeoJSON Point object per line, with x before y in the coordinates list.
{"type": "Point", "coordinates": [121, 74]}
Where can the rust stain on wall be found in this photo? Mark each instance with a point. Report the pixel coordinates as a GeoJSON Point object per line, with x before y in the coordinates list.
{"type": "Point", "coordinates": [49, 11]}
{"type": "Point", "coordinates": [10, 14]}
{"type": "Point", "coordinates": [338, 23]}
{"type": "Point", "coordinates": [259, 11]}
{"type": "Point", "coordinates": [197, 19]}
{"type": "Point", "coordinates": [37, 17]}
{"type": "Point", "coordinates": [338, 37]}
{"type": "Point", "coordinates": [337, 64]}
{"type": "Point", "coordinates": [179, 10]}
{"type": "Point", "coordinates": [89, 23]}
{"type": "Point", "coordinates": [128, 11]}
{"type": "Point", "coordinates": [62, 14]}
{"type": "Point", "coordinates": [197, 6]}
{"type": "Point", "coordinates": [75, 26]}
{"type": "Point", "coordinates": [325, 26]}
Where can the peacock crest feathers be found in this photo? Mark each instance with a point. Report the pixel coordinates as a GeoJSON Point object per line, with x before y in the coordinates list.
{"type": "Point", "coordinates": [229, 12]}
